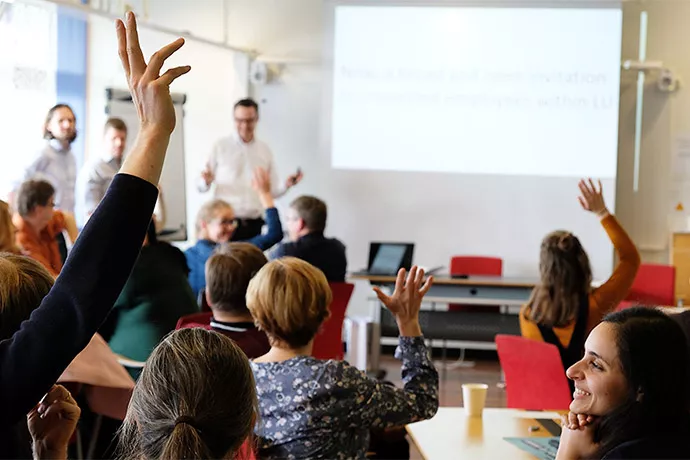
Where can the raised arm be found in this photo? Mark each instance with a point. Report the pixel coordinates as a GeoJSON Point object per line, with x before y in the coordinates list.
{"type": "Point", "coordinates": [104, 254]}
{"type": "Point", "coordinates": [208, 175]}
{"type": "Point", "coordinates": [262, 184]}
{"type": "Point", "coordinates": [616, 288]}
{"type": "Point", "coordinates": [381, 405]}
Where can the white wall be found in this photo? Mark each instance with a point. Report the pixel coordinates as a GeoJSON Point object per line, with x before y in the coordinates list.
{"type": "Point", "coordinates": [217, 79]}
{"type": "Point", "coordinates": [291, 114]}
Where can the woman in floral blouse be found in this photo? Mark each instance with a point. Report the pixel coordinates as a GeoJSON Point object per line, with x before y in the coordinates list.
{"type": "Point", "coordinates": [311, 408]}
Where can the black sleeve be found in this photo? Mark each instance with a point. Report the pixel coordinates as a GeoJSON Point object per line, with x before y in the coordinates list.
{"type": "Point", "coordinates": [84, 292]}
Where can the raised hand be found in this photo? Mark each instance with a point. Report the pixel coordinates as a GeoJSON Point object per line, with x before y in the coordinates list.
{"type": "Point", "coordinates": [150, 90]}
{"type": "Point", "coordinates": [591, 197]}
{"type": "Point", "coordinates": [406, 299]}
{"type": "Point", "coordinates": [52, 423]}
{"type": "Point", "coordinates": [261, 182]}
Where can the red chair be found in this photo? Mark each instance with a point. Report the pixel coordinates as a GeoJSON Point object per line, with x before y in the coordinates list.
{"type": "Point", "coordinates": [654, 285]}
{"type": "Point", "coordinates": [474, 266]}
{"type": "Point", "coordinates": [534, 374]}
{"type": "Point", "coordinates": [202, 319]}
{"type": "Point", "coordinates": [328, 343]}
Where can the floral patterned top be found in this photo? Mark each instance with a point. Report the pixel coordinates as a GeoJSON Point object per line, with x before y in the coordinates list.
{"type": "Point", "coordinates": [309, 408]}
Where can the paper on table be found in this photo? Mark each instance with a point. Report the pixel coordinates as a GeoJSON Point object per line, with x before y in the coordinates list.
{"type": "Point", "coordinates": [542, 448]}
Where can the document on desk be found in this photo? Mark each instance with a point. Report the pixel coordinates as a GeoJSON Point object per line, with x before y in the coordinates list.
{"type": "Point", "coordinates": [542, 448]}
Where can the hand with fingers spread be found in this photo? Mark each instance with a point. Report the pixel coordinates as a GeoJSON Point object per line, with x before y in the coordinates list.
{"type": "Point", "coordinates": [591, 198]}
{"type": "Point", "coordinates": [151, 96]}
{"type": "Point", "coordinates": [406, 300]}
{"type": "Point", "coordinates": [52, 423]}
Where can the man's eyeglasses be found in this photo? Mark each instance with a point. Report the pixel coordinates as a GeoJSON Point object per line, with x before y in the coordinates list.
{"type": "Point", "coordinates": [249, 121]}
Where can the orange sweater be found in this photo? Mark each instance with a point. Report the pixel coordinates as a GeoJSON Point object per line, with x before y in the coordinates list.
{"type": "Point", "coordinates": [605, 298]}
{"type": "Point", "coordinates": [44, 247]}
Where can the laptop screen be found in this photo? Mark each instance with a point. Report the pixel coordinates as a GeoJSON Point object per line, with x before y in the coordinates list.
{"type": "Point", "coordinates": [388, 259]}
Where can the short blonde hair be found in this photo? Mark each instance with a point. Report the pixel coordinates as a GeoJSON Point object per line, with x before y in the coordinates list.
{"type": "Point", "coordinates": [289, 300]}
{"type": "Point", "coordinates": [23, 285]}
{"type": "Point", "coordinates": [208, 212]}
{"type": "Point", "coordinates": [7, 243]}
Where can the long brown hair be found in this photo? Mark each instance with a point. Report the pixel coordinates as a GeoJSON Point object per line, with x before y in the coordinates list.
{"type": "Point", "coordinates": [565, 277]}
{"type": "Point", "coordinates": [196, 398]}
{"type": "Point", "coordinates": [7, 243]}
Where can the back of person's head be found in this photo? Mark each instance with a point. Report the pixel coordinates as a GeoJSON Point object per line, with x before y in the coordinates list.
{"type": "Point", "coordinates": [195, 399]}
{"type": "Point", "coordinates": [23, 285]}
{"type": "Point", "coordinates": [7, 230]}
{"type": "Point", "coordinates": [33, 193]}
{"type": "Point", "coordinates": [653, 355]}
{"type": "Point", "coordinates": [312, 211]}
{"type": "Point", "coordinates": [208, 211]}
{"type": "Point", "coordinates": [228, 273]}
{"type": "Point", "coordinates": [289, 300]}
{"type": "Point", "coordinates": [566, 277]}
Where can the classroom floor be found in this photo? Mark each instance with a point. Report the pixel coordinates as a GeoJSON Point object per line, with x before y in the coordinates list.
{"type": "Point", "coordinates": [486, 370]}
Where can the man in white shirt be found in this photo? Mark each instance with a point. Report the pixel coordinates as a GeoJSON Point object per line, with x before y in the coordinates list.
{"type": "Point", "coordinates": [96, 176]}
{"type": "Point", "coordinates": [56, 163]}
{"type": "Point", "coordinates": [231, 166]}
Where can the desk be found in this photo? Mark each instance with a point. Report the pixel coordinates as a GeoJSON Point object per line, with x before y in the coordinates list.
{"type": "Point", "coordinates": [461, 329]}
{"type": "Point", "coordinates": [450, 434]}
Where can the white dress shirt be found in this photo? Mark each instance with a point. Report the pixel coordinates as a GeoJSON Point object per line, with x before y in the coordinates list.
{"type": "Point", "coordinates": [232, 163]}
{"type": "Point", "coordinates": [93, 181]}
{"type": "Point", "coordinates": [59, 167]}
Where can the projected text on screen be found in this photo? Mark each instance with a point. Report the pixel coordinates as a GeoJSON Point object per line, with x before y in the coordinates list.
{"type": "Point", "coordinates": [526, 91]}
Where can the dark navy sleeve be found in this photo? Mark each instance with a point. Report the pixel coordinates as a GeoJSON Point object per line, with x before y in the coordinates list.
{"type": "Point", "coordinates": [96, 270]}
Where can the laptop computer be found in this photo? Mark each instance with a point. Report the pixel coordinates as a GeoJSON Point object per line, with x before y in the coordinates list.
{"type": "Point", "coordinates": [387, 258]}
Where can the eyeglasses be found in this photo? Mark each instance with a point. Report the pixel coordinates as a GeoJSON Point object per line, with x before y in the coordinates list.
{"type": "Point", "coordinates": [249, 121]}
{"type": "Point", "coordinates": [228, 222]}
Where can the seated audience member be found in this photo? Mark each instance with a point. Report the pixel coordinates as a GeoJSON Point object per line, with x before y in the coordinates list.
{"type": "Point", "coordinates": [310, 408]}
{"type": "Point", "coordinates": [95, 177]}
{"type": "Point", "coordinates": [306, 222]}
{"type": "Point", "coordinates": [227, 276]}
{"type": "Point", "coordinates": [156, 295]}
{"type": "Point", "coordinates": [564, 308]}
{"type": "Point", "coordinates": [631, 391]}
{"type": "Point", "coordinates": [38, 224]}
{"type": "Point", "coordinates": [35, 356]}
{"type": "Point", "coordinates": [52, 423]}
{"type": "Point", "coordinates": [7, 230]}
{"type": "Point", "coordinates": [195, 399]}
{"type": "Point", "coordinates": [216, 223]}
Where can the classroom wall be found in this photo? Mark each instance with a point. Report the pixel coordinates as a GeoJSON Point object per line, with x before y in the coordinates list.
{"type": "Point", "coordinates": [291, 108]}
{"type": "Point", "coordinates": [291, 113]}
{"type": "Point", "coordinates": [217, 80]}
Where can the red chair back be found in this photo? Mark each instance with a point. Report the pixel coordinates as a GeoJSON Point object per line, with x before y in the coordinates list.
{"type": "Point", "coordinates": [474, 266]}
{"type": "Point", "coordinates": [202, 319]}
{"type": "Point", "coordinates": [328, 343]}
{"type": "Point", "coordinates": [534, 374]}
{"type": "Point", "coordinates": [654, 285]}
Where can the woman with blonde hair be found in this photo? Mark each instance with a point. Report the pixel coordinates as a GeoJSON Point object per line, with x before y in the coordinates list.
{"type": "Point", "coordinates": [7, 230]}
{"type": "Point", "coordinates": [311, 408]}
{"type": "Point", "coordinates": [195, 399]}
{"type": "Point", "coordinates": [564, 308]}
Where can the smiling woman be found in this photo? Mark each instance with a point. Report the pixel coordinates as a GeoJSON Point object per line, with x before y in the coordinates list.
{"type": "Point", "coordinates": [631, 390]}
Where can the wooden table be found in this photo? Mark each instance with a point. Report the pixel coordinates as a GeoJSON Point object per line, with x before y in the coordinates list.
{"type": "Point", "coordinates": [451, 434]}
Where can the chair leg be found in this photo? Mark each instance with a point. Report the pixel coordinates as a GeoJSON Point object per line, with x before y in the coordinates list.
{"type": "Point", "coordinates": [80, 450]}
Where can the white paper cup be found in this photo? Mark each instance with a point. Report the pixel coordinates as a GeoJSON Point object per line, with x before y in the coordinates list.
{"type": "Point", "coordinates": [474, 398]}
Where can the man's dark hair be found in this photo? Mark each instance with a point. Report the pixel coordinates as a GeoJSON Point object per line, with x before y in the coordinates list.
{"type": "Point", "coordinates": [247, 102]}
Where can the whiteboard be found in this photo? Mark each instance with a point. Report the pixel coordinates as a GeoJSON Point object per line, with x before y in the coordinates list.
{"type": "Point", "coordinates": [172, 183]}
